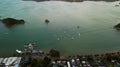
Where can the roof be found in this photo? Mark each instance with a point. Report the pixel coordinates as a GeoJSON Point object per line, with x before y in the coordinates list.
{"type": "Point", "coordinates": [11, 61]}
{"type": "Point", "coordinates": [1, 59]}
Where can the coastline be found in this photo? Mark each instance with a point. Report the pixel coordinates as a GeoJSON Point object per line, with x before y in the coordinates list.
{"type": "Point", "coordinates": [73, 54]}
{"type": "Point", "coordinates": [96, 53]}
{"type": "Point", "coordinates": [72, 0]}
{"type": "Point", "coordinates": [55, 58]}
{"type": "Point", "coordinates": [38, 58]}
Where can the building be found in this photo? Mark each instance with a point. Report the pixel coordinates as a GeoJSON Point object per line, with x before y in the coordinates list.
{"type": "Point", "coordinates": [10, 62]}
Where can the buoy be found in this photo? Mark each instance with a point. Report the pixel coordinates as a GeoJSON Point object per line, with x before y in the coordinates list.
{"type": "Point", "coordinates": [64, 32]}
{"type": "Point", "coordinates": [79, 34]}
{"type": "Point", "coordinates": [58, 38]}
{"type": "Point", "coordinates": [72, 38]}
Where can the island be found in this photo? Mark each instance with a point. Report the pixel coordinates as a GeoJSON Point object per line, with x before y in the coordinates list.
{"type": "Point", "coordinates": [117, 27]}
{"type": "Point", "coordinates": [11, 21]}
{"type": "Point", "coordinates": [47, 21]}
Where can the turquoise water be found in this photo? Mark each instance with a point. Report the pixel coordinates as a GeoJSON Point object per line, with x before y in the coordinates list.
{"type": "Point", "coordinates": [95, 35]}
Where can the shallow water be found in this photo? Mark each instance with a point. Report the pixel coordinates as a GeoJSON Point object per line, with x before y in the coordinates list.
{"type": "Point", "coordinates": [94, 35]}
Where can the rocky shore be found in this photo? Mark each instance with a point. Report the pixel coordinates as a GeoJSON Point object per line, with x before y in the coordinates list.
{"type": "Point", "coordinates": [117, 27]}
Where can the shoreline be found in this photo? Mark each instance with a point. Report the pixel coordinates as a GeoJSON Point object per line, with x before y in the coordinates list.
{"type": "Point", "coordinates": [100, 53]}
{"type": "Point", "coordinates": [35, 56]}
{"type": "Point", "coordinates": [96, 53]}
{"type": "Point", "coordinates": [73, 0]}
{"type": "Point", "coordinates": [71, 54]}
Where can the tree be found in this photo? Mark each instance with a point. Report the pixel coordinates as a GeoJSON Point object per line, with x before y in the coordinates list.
{"type": "Point", "coordinates": [37, 62]}
{"type": "Point", "coordinates": [54, 53]}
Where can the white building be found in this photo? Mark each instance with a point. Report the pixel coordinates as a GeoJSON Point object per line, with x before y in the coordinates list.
{"type": "Point", "coordinates": [10, 62]}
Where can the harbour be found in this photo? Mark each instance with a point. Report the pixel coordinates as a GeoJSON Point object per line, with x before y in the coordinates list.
{"type": "Point", "coordinates": [94, 35]}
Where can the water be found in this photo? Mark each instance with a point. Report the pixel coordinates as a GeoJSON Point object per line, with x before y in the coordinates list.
{"type": "Point", "coordinates": [94, 35]}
